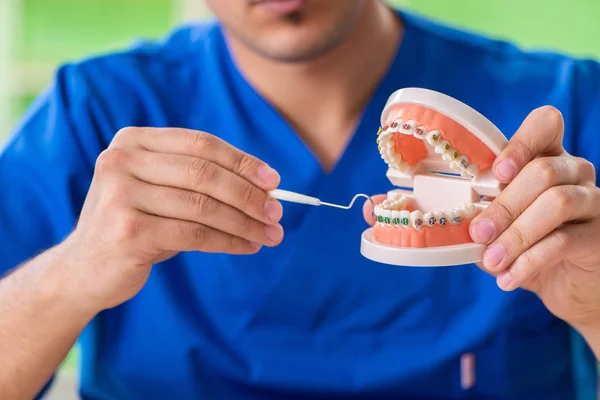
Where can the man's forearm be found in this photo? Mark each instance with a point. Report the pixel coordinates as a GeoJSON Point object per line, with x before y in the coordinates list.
{"type": "Point", "coordinates": [39, 322]}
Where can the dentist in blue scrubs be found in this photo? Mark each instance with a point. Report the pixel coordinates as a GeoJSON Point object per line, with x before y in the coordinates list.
{"type": "Point", "coordinates": [134, 217]}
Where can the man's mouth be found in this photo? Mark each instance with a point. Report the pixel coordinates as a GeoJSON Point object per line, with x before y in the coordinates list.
{"type": "Point", "coordinates": [280, 7]}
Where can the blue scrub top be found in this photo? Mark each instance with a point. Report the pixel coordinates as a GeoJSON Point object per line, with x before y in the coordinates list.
{"type": "Point", "coordinates": [311, 318]}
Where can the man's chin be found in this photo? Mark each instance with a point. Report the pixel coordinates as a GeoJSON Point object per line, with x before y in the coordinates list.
{"type": "Point", "coordinates": [294, 49]}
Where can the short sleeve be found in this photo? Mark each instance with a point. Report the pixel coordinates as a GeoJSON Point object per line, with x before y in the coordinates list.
{"type": "Point", "coordinates": [45, 171]}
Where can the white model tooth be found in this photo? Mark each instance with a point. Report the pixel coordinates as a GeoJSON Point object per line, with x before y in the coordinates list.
{"type": "Point", "coordinates": [397, 205]}
{"type": "Point", "coordinates": [454, 153]}
{"type": "Point", "coordinates": [377, 210]}
{"type": "Point", "coordinates": [443, 147]}
{"type": "Point", "coordinates": [472, 169]}
{"type": "Point", "coordinates": [463, 161]}
{"type": "Point", "coordinates": [433, 137]}
{"type": "Point", "coordinates": [455, 166]}
{"type": "Point", "coordinates": [396, 217]}
{"type": "Point", "coordinates": [465, 174]}
{"type": "Point", "coordinates": [455, 217]}
{"type": "Point", "coordinates": [442, 218]}
{"type": "Point", "coordinates": [387, 216]}
{"type": "Point", "coordinates": [468, 211]}
{"type": "Point", "coordinates": [404, 218]}
{"type": "Point", "coordinates": [416, 219]}
{"type": "Point", "coordinates": [429, 219]}
{"type": "Point", "coordinates": [403, 166]}
{"type": "Point", "coordinates": [440, 147]}
{"type": "Point", "coordinates": [395, 126]}
{"type": "Point", "coordinates": [389, 144]}
{"type": "Point", "coordinates": [408, 127]}
{"type": "Point", "coordinates": [395, 196]}
{"type": "Point", "coordinates": [447, 156]}
{"type": "Point", "coordinates": [420, 132]}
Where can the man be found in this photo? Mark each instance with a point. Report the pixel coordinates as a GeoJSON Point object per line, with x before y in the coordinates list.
{"type": "Point", "coordinates": [135, 216]}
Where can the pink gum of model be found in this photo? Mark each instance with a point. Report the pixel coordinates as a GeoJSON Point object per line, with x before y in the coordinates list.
{"type": "Point", "coordinates": [426, 136]}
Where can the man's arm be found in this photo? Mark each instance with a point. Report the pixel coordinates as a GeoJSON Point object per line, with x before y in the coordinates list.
{"type": "Point", "coordinates": [40, 320]}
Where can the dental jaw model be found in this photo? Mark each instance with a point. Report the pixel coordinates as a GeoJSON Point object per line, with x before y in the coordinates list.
{"type": "Point", "coordinates": [444, 151]}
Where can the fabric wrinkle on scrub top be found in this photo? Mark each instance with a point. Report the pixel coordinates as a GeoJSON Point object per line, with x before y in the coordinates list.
{"type": "Point", "coordinates": [310, 318]}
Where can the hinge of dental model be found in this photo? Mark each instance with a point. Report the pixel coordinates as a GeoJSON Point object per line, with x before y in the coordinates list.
{"type": "Point", "coordinates": [458, 162]}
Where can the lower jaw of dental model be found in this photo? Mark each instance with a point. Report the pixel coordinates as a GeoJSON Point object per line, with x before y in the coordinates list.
{"type": "Point", "coordinates": [399, 223]}
{"type": "Point", "coordinates": [414, 133]}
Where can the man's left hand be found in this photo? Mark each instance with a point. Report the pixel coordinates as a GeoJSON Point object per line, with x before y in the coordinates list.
{"type": "Point", "coordinates": [543, 231]}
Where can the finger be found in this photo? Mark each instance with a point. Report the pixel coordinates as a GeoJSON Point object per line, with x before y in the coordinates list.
{"type": "Point", "coordinates": [191, 206]}
{"type": "Point", "coordinates": [564, 243]}
{"type": "Point", "coordinates": [200, 145]}
{"type": "Point", "coordinates": [556, 206]}
{"type": "Point", "coordinates": [368, 207]}
{"type": "Point", "coordinates": [541, 134]}
{"type": "Point", "coordinates": [537, 177]}
{"type": "Point", "coordinates": [203, 176]}
{"type": "Point", "coordinates": [175, 235]}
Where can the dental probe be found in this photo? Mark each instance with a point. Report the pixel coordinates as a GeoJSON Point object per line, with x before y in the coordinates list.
{"type": "Point", "coordinates": [286, 195]}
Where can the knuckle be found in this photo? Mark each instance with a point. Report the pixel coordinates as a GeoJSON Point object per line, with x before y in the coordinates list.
{"type": "Point", "coordinates": [203, 204]}
{"type": "Point", "coordinates": [560, 198]}
{"type": "Point", "coordinates": [201, 142]}
{"type": "Point", "coordinates": [519, 238]}
{"type": "Point", "coordinates": [127, 226]}
{"type": "Point", "coordinates": [125, 134]}
{"type": "Point", "coordinates": [199, 234]}
{"type": "Point", "coordinates": [201, 171]}
{"type": "Point", "coordinates": [587, 170]}
{"type": "Point", "coordinates": [547, 170]}
{"type": "Point", "coordinates": [194, 201]}
{"type": "Point", "coordinates": [110, 160]}
{"type": "Point", "coordinates": [249, 225]}
{"type": "Point", "coordinates": [506, 210]}
{"type": "Point", "coordinates": [244, 164]}
{"type": "Point", "coordinates": [247, 195]}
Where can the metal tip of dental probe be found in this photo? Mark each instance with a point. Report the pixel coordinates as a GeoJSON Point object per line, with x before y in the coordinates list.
{"type": "Point", "coordinates": [349, 206]}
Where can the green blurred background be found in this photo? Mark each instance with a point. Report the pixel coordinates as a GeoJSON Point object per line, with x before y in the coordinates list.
{"type": "Point", "coordinates": [37, 35]}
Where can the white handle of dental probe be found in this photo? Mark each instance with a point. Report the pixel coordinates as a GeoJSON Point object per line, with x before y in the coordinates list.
{"type": "Point", "coordinates": [286, 195]}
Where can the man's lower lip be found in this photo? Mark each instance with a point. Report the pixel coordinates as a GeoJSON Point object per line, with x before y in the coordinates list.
{"type": "Point", "coordinates": [282, 7]}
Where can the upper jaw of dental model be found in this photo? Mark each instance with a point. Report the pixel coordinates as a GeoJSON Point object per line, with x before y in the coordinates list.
{"type": "Point", "coordinates": [458, 162]}
{"type": "Point", "coordinates": [393, 212]}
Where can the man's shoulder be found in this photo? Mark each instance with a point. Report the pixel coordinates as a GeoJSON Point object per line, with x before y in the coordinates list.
{"type": "Point", "coordinates": [184, 46]}
{"type": "Point", "coordinates": [487, 53]}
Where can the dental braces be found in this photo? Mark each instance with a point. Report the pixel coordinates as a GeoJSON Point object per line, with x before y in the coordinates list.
{"type": "Point", "coordinates": [458, 162]}
{"type": "Point", "coordinates": [393, 212]}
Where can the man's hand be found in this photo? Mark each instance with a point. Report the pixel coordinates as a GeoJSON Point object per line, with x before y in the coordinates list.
{"type": "Point", "coordinates": [157, 192]}
{"type": "Point", "coordinates": [542, 231]}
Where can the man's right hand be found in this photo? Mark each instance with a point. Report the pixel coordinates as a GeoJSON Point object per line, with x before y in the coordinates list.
{"type": "Point", "coordinates": [157, 192]}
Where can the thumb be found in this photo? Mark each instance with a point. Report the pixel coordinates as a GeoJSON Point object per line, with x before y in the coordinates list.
{"type": "Point", "coordinates": [368, 208]}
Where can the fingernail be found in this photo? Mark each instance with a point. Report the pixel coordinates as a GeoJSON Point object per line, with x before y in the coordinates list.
{"type": "Point", "coordinates": [504, 280]}
{"type": "Point", "coordinates": [274, 232]}
{"type": "Point", "coordinates": [268, 175]}
{"type": "Point", "coordinates": [274, 210]}
{"type": "Point", "coordinates": [506, 170]}
{"type": "Point", "coordinates": [493, 256]}
{"type": "Point", "coordinates": [483, 231]}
